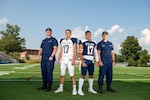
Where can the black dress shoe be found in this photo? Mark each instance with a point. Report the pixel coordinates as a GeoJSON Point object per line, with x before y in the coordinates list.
{"type": "Point", "coordinates": [43, 87]}
{"type": "Point", "coordinates": [49, 88]}
{"type": "Point", "coordinates": [100, 90]}
{"type": "Point", "coordinates": [111, 89]}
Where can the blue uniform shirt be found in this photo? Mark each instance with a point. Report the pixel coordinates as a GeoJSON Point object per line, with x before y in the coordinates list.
{"type": "Point", "coordinates": [105, 48]}
{"type": "Point", "coordinates": [47, 47]}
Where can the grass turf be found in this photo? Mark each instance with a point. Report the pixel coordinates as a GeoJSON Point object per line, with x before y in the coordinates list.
{"type": "Point", "coordinates": [131, 83]}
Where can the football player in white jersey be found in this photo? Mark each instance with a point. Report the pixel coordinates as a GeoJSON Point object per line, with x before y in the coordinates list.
{"type": "Point", "coordinates": [66, 59]}
{"type": "Point", "coordinates": [88, 52]}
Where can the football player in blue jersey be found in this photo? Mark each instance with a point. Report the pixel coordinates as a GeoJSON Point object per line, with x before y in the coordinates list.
{"type": "Point", "coordinates": [66, 59]}
{"type": "Point", "coordinates": [88, 52]}
{"type": "Point", "coordinates": [106, 61]}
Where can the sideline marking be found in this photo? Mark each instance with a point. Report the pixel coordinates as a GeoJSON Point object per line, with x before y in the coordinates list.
{"type": "Point", "coordinates": [6, 72]}
{"type": "Point", "coordinates": [26, 67]}
{"type": "Point", "coordinates": [77, 80]}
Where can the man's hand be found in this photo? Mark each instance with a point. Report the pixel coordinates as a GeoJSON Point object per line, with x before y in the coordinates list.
{"type": "Point", "coordinates": [50, 58]}
{"type": "Point", "coordinates": [84, 64]}
{"type": "Point", "coordinates": [73, 62]}
{"type": "Point", "coordinates": [97, 64]}
{"type": "Point", "coordinates": [113, 63]}
{"type": "Point", "coordinates": [58, 62]}
{"type": "Point", "coordinates": [101, 63]}
{"type": "Point", "coordinates": [39, 58]}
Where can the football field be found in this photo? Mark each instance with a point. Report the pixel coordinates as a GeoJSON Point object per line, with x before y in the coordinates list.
{"type": "Point", "coordinates": [19, 82]}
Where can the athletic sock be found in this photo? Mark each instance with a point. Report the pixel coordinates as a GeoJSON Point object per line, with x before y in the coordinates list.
{"type": "Point", "coordinates": [90, 80]}
{"type": "Point", "coordinates": [74, 87]}
{"type": "Point", "coordinates": [61, 86]}
{"type": "Point", "coordinates": [81, 81]}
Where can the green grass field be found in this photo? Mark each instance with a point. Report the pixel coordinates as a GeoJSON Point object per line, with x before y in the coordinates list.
{"type": "Point", "coordinates": [131, 83]}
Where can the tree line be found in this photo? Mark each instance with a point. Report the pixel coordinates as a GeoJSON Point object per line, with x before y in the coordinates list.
{"type": "Point", "coordinates": [131, 52]}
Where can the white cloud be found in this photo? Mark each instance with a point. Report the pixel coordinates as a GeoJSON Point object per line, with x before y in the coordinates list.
{"type": "Point", "coordinates": [78, 32]}
{"type": "Point", "coordinates": [99, 31]}
{"type": "Point", "coordinates": [87, 28]}
{"type": "Point", "coordinates": [4, 21]}
{"type": "Point", "coordinates": [115, 29]}
{"type": "Point", "coordinates": [145, 39]}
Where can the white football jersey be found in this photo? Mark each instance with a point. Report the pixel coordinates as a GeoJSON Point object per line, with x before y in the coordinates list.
{"type": "Point", "coordinates": [67, 46]}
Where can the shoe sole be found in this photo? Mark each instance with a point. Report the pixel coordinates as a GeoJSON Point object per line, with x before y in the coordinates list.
{"type": "Point", "coordinates": [93, 92]}
{"type": "Point", "coordinates": [74, 94]}
{"type": "Point", "coordinates": [58, 92]}
{"type": "Point", "coordinates": [81, 94]}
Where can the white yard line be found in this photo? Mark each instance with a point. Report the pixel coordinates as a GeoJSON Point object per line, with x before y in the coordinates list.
{"type": "Point", "coordinates": [6, 72]}
{"type": "Point", "coordinates": [10, 64]}
{"type": "Point", "coordinates": [26, 67]}
{"type": "Point", "coordinates": [20, 80]}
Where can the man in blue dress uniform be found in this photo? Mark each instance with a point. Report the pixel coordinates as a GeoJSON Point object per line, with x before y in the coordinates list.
{"type": "Point", "coordinates": [47, 50]}
{"type": "Point", "coordinates": [106, 62]}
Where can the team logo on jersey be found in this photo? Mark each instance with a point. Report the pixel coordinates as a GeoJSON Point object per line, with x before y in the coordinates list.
{"type": "Point", "coordinates": [89, 44]}
{"type": "Point", "coordinates": [49, 41]}
{"type": "Point", "coordinates": [110, 45]}
{"type": "Point", "coordinates": [103, 45]}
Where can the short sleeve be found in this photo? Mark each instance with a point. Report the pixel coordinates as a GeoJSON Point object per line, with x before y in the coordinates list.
{"type": "Point", "coordinates": [95, 45]}
{"type": "Point", "coordinates": [99, 46]}
{"type": "Point", "coordinates": [42, 44]}
{"type": "Point", "coordinates": [112, 47]}
{"type": "Point", "coordinates": [80, 42]}
{"type": "Point", "coordinates": [74, 40]}
{"type": "Point", "coordinates": [60, 41]}
{"type": "Point", "coordinates": [55, 43]}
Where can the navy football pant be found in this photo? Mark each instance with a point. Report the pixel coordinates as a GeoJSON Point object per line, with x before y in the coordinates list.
{"type": "Point", "coordinates": [89, 67]}
{"type": "Point", "coordinates": [105, 70]}
{"type": "Point", "coordinates": [47, 71]}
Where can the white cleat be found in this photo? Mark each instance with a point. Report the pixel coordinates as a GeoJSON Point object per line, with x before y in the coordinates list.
{"type": "Point", "coordinates": [80, 92]}
{"type": "Point", "coordinates": [59, 90]}
{"type": "Point", "coordinates": [92, 91]}
{"type": "Point", "coordinates": [74, 92]}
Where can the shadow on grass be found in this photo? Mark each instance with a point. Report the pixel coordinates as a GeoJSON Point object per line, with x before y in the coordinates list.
{"type": "Point", "coordinates": [26, 90]}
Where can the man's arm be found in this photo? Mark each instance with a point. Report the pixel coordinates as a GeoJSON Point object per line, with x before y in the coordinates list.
{"type": "Point", "coordinates": [113, 57]}
{"type": "Point", "coordinates": [39, 54]}
{"type": "Point", "coordinates": [99, 58]}
{"type": "Point", "coordinates": [60, 54]}
{"type": "Point", "coordinates": [53, 53]}
{"type": "Point", "coordinates": [96, 56]}
{"type": "Point", "coordinates": [81, 55]}
{"type": "Point", "coordinates": [74, 53]}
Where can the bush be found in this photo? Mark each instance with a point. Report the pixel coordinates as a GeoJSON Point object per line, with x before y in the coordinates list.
{"type": "Point", "coordinates": [21, 61]}
{"type": "Point", "coordinates": [32, 61]}
{"type": "Point", "coordinates": [131, 62]}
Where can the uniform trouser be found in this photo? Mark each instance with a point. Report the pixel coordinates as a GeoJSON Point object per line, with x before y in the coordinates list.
{"type": "Point", "coordinates": [47, 71]}
{"type": "Point", "coordinates": [106, 69]}
{"type": "Point", "coordinates": [89, 68]}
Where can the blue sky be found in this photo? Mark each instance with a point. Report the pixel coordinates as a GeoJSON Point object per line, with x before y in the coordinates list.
{"type": "Point", "coordinates": [121, 18]}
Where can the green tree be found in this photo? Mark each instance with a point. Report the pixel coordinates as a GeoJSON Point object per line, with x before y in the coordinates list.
{"type": "Point", "coordinates": [10, 40]}
{"type": "Point", "coordinates": [130, 49]}
{"type": "Point", "coordinates": [119, 58]}
{"type": "Point", "coordinates": [144, 58]}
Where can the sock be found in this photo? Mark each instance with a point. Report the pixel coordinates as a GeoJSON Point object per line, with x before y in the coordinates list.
{"type": "Point", "coordinates": [61, 86]}
{"type": "Point", "coordinates": [81, 81]}
{"type": "Point", "coordinates": [90, 80]}
{"type": "Point", "coordinates": [74, 87]}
